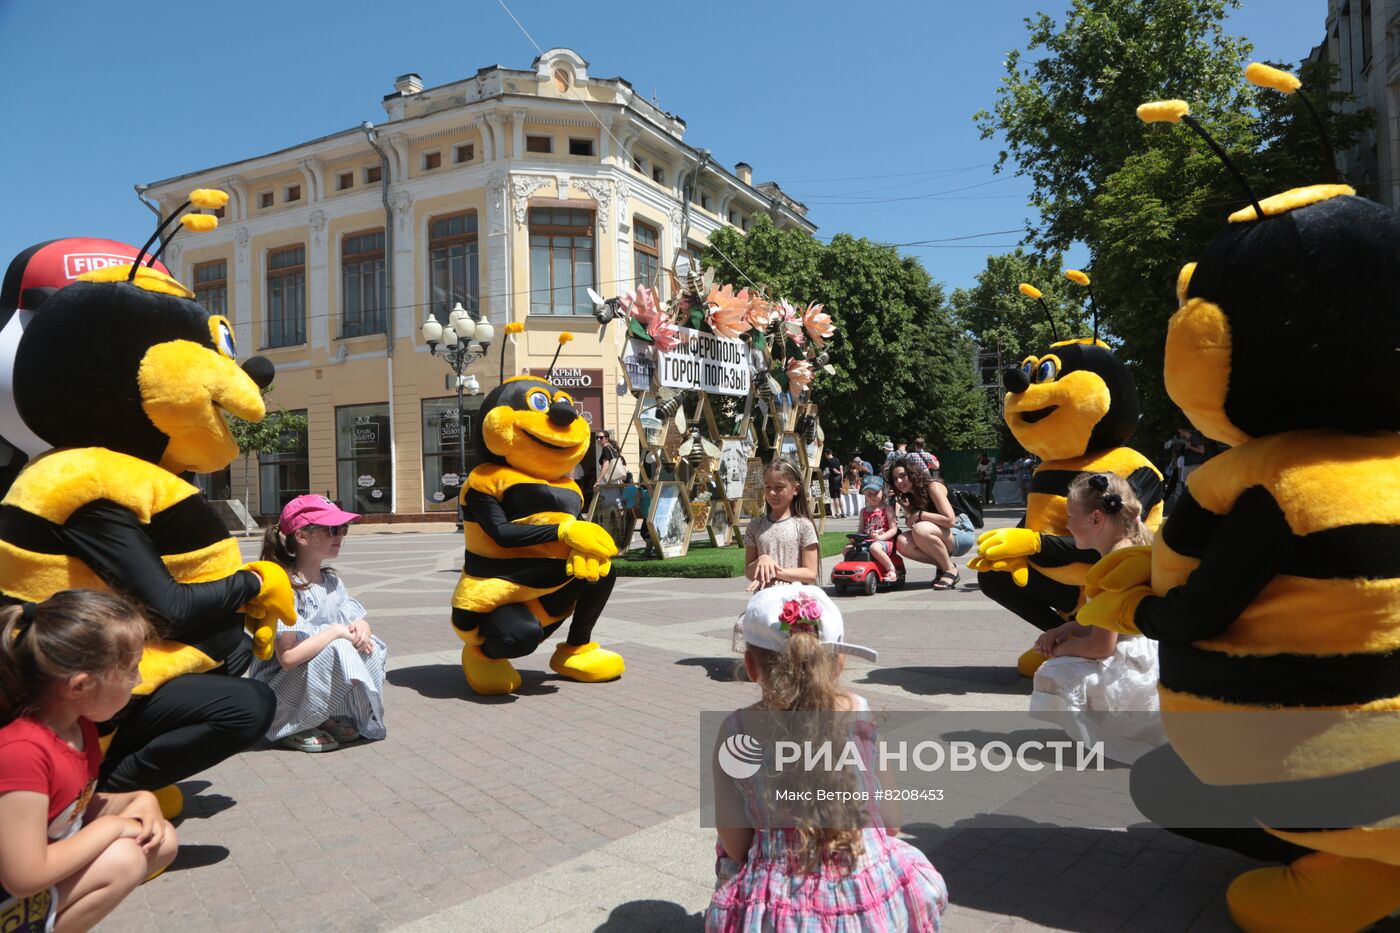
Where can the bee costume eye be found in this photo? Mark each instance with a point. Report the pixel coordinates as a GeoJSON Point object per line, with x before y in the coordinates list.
{"type": "Point", "coordinates": [1047, 371]}
{"type": "Point", "coordinates": [539, 401]}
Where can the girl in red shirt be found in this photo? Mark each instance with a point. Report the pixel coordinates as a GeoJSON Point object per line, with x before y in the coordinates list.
{"type": "Point", "coordinates": [68, 856]}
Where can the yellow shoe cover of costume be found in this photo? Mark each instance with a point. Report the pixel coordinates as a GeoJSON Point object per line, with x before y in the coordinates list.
{"type": "Point", "coordinates": [589, 664]}
{"type": "Point", "coordinates": [1030, 662]}
{"type": "Point", "coordinates": [489, 677]}
{"type": "Point", "coordinates": [171, 800]}
{"type": "Point", "coordinates": [1319, 893]}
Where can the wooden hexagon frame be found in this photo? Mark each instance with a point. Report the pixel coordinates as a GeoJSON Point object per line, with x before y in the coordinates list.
{"type": "Point", "coordinates": [723, 524]}
{"type": "Point", "coordinates": [790, 447]}
{"type": "Point", "coordinates": [609, 508]}
{"type": "Point", "coordinates": [670, 510]}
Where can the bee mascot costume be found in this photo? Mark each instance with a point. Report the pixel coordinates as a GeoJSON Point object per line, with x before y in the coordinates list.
{"type": "Point", "coordinates": [1074, 408]}
{"type": "Point", "coordinates": [107, 424]}
{"type": "Point", "coordinates": [530, 561]}
{"type": "Point", "coordinates": [1274, 588]}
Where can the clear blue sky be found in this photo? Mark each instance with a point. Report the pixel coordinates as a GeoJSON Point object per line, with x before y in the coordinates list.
{"type": "Point", "coordinates": [99, 97]}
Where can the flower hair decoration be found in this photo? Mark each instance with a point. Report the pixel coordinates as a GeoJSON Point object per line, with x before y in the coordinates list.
{"type": "Point", "coordinates": [801, 614]}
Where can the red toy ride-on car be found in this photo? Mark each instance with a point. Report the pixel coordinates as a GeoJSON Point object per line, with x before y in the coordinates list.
{"type": "Point", "coordinates": [858, 570]}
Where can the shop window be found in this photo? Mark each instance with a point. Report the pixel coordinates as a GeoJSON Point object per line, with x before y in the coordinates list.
{"type": "Point", "coordinates": [364, 472]}
{"type": "Point", "coordinates": [362, 284]}
{"type": "Point", "coordinates": [286, 297]}
{"type": "Point", "coordinates": [443, 470]}
{"type": "Point", "coordinates": [561, 260]}
{"type": "Point", "coordinates": [453, 261]}
{"type": "Point", "coordinates": [211, 286]}
{"type": "Point", "coordinates": [282, 477]}
{"type": "Point", "coordinates": [215, 485]}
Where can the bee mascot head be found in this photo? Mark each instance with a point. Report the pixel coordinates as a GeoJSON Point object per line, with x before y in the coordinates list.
{"type": "Point", "coordinates": [1075, 399]}
{"type": "Point", "coordinates": [533, 426]}
{"type": "Point", "coordinates": [1274, 588]}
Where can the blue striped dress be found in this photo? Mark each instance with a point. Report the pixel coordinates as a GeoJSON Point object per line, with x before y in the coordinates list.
{"type": "Point", "coordinates": [338, 682]}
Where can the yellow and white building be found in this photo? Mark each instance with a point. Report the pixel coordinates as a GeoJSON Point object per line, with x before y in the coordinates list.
{"type": "Point", "coordinates": [510, 192]}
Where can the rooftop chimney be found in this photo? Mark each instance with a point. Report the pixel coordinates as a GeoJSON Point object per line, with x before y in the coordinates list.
{"type": "Point", "coordinates": [408, 84]}
{"type": "Point", "coordinates": [744, 171]}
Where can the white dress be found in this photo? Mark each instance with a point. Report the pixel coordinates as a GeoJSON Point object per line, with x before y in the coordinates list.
{"type": "Point", "coordinates": [1111, 700]}
{"type": "Point", "coordinates": [338, 681]}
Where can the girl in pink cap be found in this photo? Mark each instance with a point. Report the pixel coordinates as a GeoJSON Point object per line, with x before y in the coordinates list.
{"type": "Point", "coordinates": [328, 669]}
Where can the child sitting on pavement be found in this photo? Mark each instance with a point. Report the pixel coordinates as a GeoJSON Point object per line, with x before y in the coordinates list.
{"type": "Point", "coordinates": [842, 870]}
{"type": "Point", "coordinates": [69, 855]}
{"type": "Point", "coordinates": [878, 521]}
{"type": "Point", "coordinates": [1092, 672]}
{"type": "Point", "coordinates": [328, 670]}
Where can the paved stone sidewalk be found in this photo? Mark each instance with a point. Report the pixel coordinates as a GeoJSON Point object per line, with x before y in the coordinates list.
{"type": "Point", "coordinates": [575, 807]}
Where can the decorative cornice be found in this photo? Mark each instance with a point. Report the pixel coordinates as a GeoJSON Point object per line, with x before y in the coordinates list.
{"type": "Point", "coordinates": [602, 191]}
{"type": "Point", "coordinates": [521, 187]}
{"type": "Point", "coordinates": [439, 134]}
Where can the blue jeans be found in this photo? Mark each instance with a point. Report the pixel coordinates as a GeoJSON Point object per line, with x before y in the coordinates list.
{"type": "Point", "coordinates": [964, 535]}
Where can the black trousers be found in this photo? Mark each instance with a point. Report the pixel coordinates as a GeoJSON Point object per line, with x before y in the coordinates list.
{"type": "Point", "coordinates": [512, 631]}
{"type": "Point", "coordinates": [1036, 602]}
{"type": "Point", "coordinates": [185, 726]}
{"type": "Point", "coordinates": [1164, 788]}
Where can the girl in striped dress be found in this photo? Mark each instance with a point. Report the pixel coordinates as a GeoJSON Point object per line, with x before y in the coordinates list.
{"type": "Point", "coordinates": [818, 870]}
{"type": "Point", "coordinates": [328, 669]}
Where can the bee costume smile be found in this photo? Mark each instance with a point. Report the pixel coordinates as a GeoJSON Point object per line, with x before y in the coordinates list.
{"type": "Point", "coordinates": [1073, 407]}
{"type": "Point", "coordinates": [1274, 589]}
{"type": "Point", "coordinates": [530, 561]}
{"type": "Point", "coordinates": [107, 425]}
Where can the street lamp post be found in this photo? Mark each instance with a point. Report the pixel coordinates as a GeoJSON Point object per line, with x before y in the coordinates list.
{"type": "Point", "coordinates": [461, 343]}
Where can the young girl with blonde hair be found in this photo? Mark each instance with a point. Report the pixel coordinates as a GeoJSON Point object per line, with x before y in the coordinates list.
{"type": "Point", "coordinates": [815, 867]}
{"type": "Point", "coordinates": [1094, 671]}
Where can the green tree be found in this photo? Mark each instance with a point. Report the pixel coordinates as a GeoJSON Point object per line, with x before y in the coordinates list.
{"type": "Point", "coordinates": [1147, 199]}
{"type": "Point", "coordinates": [276, 433]}
{"type": "Point", "coordinates": [902, 367]}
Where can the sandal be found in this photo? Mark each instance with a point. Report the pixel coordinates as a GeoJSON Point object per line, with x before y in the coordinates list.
{"type": "Point", "coordinates": [341, 730]}
{"type": "Point", "coordinates": [310, 740]}
{"type": "Point", "coordinates": [946, 580]}
{"type": "Point", "coordinates": [892, 577]}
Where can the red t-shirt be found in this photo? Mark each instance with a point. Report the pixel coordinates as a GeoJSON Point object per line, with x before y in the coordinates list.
{"type": "Point", "coordinates": [34, 758]}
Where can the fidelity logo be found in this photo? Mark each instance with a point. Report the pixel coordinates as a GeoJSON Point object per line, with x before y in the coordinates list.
{"type": "Point", "coordinates": [75, 264]}
{"type": "Point", "coordinates": [740, 756]}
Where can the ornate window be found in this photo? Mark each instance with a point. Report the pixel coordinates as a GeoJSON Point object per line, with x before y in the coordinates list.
{"type": "Point", "coordinates": [286, 297]}
{"type": "Point", "coordinates": [453, 263]}
{"type": "Point", "coordinates": [362, 284]}
{"type": "Point", "coordinates": [561, 260]}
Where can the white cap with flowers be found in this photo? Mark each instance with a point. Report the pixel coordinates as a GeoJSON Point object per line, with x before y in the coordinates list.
{"type": "Point", "coordinates": [774, 614]}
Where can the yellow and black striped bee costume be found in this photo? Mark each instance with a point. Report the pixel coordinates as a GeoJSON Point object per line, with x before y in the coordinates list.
{"type": "Point", "coordinates": [530, 562]}
{"type": "Point", "coordinates": [106, 508]}
{"type": "Point", "coordinates": [1275, 587]}
{"type": "Point", "coordinates": [1074, 407]}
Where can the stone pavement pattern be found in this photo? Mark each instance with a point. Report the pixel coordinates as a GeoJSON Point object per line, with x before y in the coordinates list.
{"type": "Point", "coordinates": [575, 807]}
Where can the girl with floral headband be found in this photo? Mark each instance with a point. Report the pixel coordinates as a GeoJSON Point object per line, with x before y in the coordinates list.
{"type": "Point", "coordinates": [1093, 670]}
{"type": "Point", "coordinates": [816, 866]}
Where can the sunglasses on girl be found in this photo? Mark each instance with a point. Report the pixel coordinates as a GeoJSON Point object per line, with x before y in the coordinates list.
{"type": "Point", "coordinates": [335, 531]}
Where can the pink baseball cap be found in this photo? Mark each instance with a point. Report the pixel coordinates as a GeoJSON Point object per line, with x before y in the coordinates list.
{"type": "Point", "coordinates": [312, 510]}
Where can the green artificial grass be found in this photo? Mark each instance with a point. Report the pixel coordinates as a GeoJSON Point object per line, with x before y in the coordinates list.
{"type": "Point", "coordinates": [705, 560]}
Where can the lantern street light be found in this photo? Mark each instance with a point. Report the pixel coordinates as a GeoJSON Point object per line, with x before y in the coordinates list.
{"type": "Point", "coordinates": [460, 343]}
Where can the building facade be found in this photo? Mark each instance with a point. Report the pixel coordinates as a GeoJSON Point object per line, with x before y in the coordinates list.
{"type": "Point", "coordinates": [1363, 41]}
{"type": "Point", "coordinates": [511, 192]}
